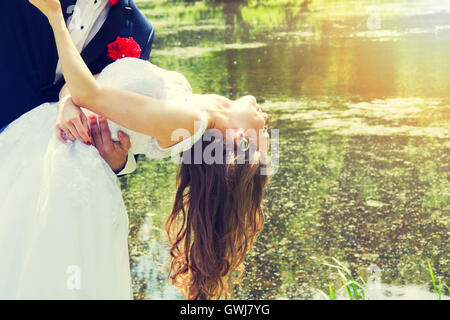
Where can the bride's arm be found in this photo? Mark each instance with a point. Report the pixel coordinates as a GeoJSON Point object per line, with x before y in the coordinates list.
{"type": "Point", "coordinates": [71, 120]}
{"type": "Point", "coordinates": [133, 111]}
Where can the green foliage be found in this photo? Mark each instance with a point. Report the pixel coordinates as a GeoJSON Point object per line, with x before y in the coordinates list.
{"type": "Point", "coordinates": [437, 289]}
{"type": "Point", "coordinates": [354, 289]}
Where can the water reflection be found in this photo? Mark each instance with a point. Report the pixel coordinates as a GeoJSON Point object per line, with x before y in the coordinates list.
{"type": "Point", "coordinates": [232, 11]}
{"type": "Point", "coordinates": [151, 268]}
{"type": "Point", "coordinates": [364, 122]}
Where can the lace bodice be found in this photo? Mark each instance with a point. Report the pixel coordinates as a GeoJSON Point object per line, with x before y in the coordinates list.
{"type": "Point", "coordinates": [147, 79]}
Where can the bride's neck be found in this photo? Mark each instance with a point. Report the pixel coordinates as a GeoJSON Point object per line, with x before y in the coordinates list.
{"type": "Point", "coordinates": [218, 107]}
{"type": "Point", "coordinates": [213, 99]}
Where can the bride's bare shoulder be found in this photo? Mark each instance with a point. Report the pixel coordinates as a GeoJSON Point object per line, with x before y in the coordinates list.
{"type": "Point", "coordinates": [180, 79]}
{"type": "Point", "coordinates": [173, 77]}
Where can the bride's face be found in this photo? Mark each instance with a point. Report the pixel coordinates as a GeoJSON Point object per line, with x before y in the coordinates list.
{"type": "Point", "coordinates": [251, 112]}
{"type": "Point", "coordinates": [251, 117]}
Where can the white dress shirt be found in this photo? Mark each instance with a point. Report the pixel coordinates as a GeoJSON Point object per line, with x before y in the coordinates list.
{"type": "Point", "coordinates": [86, 19]}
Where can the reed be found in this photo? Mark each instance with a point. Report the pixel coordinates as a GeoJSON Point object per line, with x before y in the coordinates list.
{"type": "Point", "coordinates": [355, 287]}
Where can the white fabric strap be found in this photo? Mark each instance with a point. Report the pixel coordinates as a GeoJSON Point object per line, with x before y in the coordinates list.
{"type": "Point", "coordinates": [155, 151]}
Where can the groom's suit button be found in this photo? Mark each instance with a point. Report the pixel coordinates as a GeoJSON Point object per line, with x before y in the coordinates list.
{"type": "Point", "coordinates": [129, 8]}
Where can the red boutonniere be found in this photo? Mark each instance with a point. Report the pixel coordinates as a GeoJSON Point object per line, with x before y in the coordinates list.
{"type": "Point", "coordinates": [113, 2]}
{"type": "Point", "coordinates": [124, 47]}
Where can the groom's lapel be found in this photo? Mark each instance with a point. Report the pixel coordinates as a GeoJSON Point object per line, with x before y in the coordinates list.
{"type": "Point", "coordinates": [108, 32]}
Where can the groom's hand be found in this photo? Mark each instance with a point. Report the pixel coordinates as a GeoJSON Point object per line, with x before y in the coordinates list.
{"type": "Point", "coordinates": [115, 153]}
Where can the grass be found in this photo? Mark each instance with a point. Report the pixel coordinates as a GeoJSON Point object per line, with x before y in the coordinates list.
{"type": "Point", "coordinates": [355, 287]}
{"type": "Point", "coordinates": [437, 289]}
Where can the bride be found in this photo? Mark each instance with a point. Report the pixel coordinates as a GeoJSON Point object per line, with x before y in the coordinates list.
{"type": "Point", "coordinates": [63, 223]}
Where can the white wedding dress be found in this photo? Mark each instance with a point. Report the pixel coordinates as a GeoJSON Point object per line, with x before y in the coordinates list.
{"type": "Point", "coordinates": [63, 223]}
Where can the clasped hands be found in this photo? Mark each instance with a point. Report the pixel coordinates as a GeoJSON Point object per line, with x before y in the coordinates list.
{"type": "Point", "coordinates": [72, 124]}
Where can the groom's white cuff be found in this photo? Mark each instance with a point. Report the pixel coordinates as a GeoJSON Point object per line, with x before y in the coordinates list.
{"type": "Point", "coordinates": [130, 167]}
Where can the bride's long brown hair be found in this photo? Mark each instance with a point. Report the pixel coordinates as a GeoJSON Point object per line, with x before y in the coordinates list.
{"type": "Point", "coordinates": [215, 220]}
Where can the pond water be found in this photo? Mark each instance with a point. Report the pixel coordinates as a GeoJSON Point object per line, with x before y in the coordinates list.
{"type": "Point", "coordinates": [359, 93]}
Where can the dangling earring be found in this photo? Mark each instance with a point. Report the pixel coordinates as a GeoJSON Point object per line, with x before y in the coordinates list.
{"type": "Point", "coordinates": [244, 144]}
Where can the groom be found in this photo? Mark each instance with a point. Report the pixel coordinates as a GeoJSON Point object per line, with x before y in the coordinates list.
{"type": "Point", "coordinates": [30, 73]}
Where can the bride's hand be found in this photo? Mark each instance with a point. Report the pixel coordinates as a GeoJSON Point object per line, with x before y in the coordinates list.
{"type": "Point", "coordinates": [72, 122]}
{"type": "Point", "coordinates": [49, 8]}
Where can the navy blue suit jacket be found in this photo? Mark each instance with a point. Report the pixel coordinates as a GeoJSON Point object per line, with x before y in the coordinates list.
{"type": "Point", "coordinates": [28, 57]}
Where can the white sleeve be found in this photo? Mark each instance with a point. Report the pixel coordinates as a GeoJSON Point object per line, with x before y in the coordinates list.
{"type": "Point", "coordinates": [130, 167]}
{"type": "Point", "coordinates": [155, 151]}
